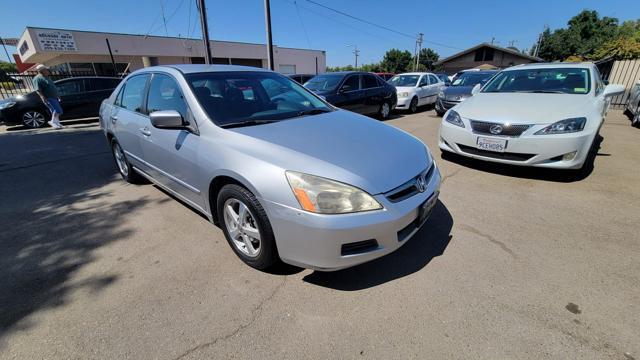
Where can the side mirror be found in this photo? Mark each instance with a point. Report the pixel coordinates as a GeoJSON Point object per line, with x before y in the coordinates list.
{"type": "Point", "coordinates": [345, 88]}
{"type": "Point", "coordinates": [476, 89]}
{"type": "Point", "coordinates": [613, 90]}
{"type": "Point", "coordinates": [167, 119]}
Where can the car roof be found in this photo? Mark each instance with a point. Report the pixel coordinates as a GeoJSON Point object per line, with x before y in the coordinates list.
{"type": "Point", "coordinates": [481, 72]}
{"type": "Point", "coordinates": [346, 73]}
{"type": "Point", "coordinates": [583, 65]}
{"type": "Point", "coordinates": [415, 73]}
{"type": "Point", "coordinates": [200, 68]}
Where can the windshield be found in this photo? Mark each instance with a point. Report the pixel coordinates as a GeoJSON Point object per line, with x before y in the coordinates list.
{"type": "Point", "coordinates": [247, 98]}
{"type": "Point", "coordinates": [443, 77]}
{"type": "Point", "coordinates": [471, 79]}
{"type": "Point", "coordinates": [547, 80]}
{"type": "Point", "coordinates": [404, 80]}
{"type": "Point", "coordinates": [323, 82]}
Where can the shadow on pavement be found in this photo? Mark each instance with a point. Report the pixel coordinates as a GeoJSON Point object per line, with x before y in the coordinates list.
{"type": "Point", "coordinates": [74, 122]}
{"type": "Point", "coordinates": [426, 244]}
{"type": "Point", "coordinates": [527, 172]}
{"type": "Point", "coordinates": [54, 215]}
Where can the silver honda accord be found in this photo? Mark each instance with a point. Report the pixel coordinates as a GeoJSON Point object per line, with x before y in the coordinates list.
{"type": "Point", "coordinates": [287, 176]}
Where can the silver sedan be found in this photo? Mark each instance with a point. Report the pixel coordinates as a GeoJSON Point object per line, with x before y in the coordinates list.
{"type": "Point", "coordinates": [287, 176]}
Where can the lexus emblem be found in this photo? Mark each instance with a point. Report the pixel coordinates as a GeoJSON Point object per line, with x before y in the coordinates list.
{"type": "Point", "coordinates": [421, 184]}
{"type": "Point", "coordinates": [495, 129]}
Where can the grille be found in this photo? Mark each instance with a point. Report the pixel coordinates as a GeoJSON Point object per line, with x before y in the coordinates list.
{"type": "Point", "coordinates": [495, 155]}
{"type": "Point", "coordinates": [482, 127]}
{"type": "Point", "coordinates": [359, 247]}
{"type": "Point", "coordinates": [409, 188]}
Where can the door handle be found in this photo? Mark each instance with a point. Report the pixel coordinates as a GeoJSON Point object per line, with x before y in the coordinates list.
{"type": "Point", "coordinates": [145, 131]}
{"type": "Point", "coordinates": [114, 118]}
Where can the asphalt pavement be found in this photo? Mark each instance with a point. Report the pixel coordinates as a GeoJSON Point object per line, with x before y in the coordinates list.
{"type": "Point", "coordinates": [513, 264]}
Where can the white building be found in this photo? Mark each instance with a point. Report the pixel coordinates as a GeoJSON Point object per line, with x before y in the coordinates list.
{"type": "Point", "coordinates": [87, 51]}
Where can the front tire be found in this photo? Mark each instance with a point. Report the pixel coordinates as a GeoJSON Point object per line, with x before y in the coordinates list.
{"type": "Point", "coordinates": [33, 119]}
{"type": "Point", "coordinates": [124, 167]}
{"type": "Point", "coordinates": [246, 227]}
{"type": "Point", "coordinates": [384, 111]}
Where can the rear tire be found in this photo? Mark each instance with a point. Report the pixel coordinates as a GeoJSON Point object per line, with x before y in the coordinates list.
{"type": "Point", "coordinates": [384, 111]}
{"type": "Point", "coordinates": [246, 227]}
{"type": "Point", "coordinates": [124, 167]}
{"type": "Point", "coordinates": [33, 119]}
{"type": "Point", "coordinates": [413, 106]}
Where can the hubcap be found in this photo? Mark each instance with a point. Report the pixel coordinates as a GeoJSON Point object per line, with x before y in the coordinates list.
{"type": "Point", "coordinates": [242, 227]}
{"type": "Point", "coordinates": [414, 105]}
{"type": "Point", "coordinates": [385, 110]}
{"type": "Point", "coordinates": [33, 119]}
{"type": "Point", "coordinates": [120, 159]}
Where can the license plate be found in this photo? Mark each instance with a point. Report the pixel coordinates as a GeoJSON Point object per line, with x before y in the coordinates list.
{"type": "Point", "coordinates": [497, 145]}
{"type": "Point", "coordinates": [424, 210]}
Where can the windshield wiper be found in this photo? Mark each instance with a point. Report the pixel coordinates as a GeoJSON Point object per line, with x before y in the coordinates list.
{"type": "Point", "coordinates": [313, 112]}
{"type": "Point", "coordinates": [247, 123]}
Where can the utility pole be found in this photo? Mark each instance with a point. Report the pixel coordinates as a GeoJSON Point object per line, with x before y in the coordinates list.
{"type": "Point", "coordinates": [5, 50]}
{"type": "Point", "coordinates": [419, 45]}
{"type": "Point", "coordinates": [113, 61]}
{"type": "Point", "coordinates": [205, 32]}
{"type": "Point", "coordinates": [356, 52]}
{"type": "Point", "coordinates": [537, 48]}
{"type": "Point", "coordinates": [267, 20]}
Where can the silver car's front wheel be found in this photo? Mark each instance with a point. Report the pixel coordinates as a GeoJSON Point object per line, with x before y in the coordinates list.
{"type": "Point", "coordinates": [242, 227]}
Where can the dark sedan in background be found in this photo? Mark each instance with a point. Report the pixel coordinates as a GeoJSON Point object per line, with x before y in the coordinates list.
{"type": "Point", "coordinates": [301, 78]}
{"type": "Point", "coordinates": [356, 91]}
{"type": "Point", "coordinates": [460, 89]}
{"type": "Point", "coordinates": [80, 97]}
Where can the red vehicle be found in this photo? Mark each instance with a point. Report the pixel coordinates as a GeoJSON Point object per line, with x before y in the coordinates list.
{"type": "Point", "coordinates": [385, 76]}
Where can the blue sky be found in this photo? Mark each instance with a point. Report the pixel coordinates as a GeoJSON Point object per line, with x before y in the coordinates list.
{"type": "Point", "coordinates": [299, 23]}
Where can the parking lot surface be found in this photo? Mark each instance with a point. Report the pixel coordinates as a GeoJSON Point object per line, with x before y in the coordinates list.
{"type": "Point", "coordinates": [514, 263]}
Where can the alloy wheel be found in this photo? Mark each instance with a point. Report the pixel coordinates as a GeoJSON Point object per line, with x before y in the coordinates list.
{"type": "Point", "coordinates": [413, 107]}
{"type": "Point", "coordinates": [33, 119]}
{"type": "Point", "coordinates": [242, 227]}
{"type": "Point", "coordinates": [384, 110]}
{"type": "Point", "coordinates": [121, 161]}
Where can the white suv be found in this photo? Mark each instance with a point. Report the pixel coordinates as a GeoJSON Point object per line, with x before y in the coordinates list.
{"type": "Point", "coordinates": [544, 115]}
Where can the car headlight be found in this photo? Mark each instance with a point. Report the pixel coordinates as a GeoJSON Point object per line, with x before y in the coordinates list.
{"type": "Point", "coordinates": [7, 104]}
{"type": "Point", "coordinates": [441, 94]}
{"type": "Point", "coordinates": [564, 126]}
{"type": "Point", "coordinates": [454, 118]}
{"type": "Point", "coordinates": [403, 94]}
{"type": "Point", "coordinates": [324, 196]}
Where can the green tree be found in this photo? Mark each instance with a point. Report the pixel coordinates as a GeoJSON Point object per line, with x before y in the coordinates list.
{"type": "Point", "coordinates": [622, 48]}
{"type": "Point", "coordinates": [427, 58]}
{"type": "Point", "coordinates": [8, 67]}
{"type": "Point", "coordinates": [396, 61]}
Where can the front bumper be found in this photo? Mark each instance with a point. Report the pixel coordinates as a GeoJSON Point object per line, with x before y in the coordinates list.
{"type": "Point", "coordinates": [403, 103]}
{"type": "Point", "coordinates": [526, 150]}
{"type": "Point", "coordinates": [316, 241]}
{"type": "Point", "coordinates": [444, 105]}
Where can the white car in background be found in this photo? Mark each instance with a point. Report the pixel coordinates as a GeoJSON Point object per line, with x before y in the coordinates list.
{"type": "Point", "coordinates": [416, 89]}
{"type": "Point", "coordinates": [544, 115]}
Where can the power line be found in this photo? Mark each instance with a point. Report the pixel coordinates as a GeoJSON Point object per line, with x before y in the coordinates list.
{"type": "Point", "coordinates": [302, 23]}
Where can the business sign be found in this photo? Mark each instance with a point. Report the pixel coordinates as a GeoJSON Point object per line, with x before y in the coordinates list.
{"type": "Point", "coordinates": [8, 41]}
{"type": "Point", "coordinates": [52, 40]}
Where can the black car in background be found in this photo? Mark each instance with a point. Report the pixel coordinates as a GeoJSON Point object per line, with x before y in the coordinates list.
{"type": "Point", "coordinates": [301, 78]}
{"type": "Point", "coordinates": [357, 91]}
{"type": "Point", "coordinates": [80, 97]}
{"type": "Point", "coordinates": [460, 89]}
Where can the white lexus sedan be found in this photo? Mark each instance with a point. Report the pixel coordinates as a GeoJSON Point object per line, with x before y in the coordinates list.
{"type": "Point", "coordinates": [544, 115]}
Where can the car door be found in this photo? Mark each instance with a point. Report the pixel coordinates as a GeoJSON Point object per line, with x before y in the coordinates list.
{"type": "Point", "coordinates": [435, 86]}
{"type": "Point", "coordinates": [172, 154]}
{"type": "Point", "coordinates": [350, 95]}
{"type": "Point", "coordinates": [98, 89]}
{"type": "Point", "coordinates": [128, 119]}
{"type": "Point", "coordinates": [423, 90]}
{"type": "Point", "coordinates": [602, 102]}
{"type": "Point", "coordinates": [374, 94]}
{"type": "Point", "coordinates": [73, 98]}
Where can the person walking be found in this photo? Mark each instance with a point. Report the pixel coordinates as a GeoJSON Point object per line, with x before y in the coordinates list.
{"type": "Point", "coordinates": [48, 92]}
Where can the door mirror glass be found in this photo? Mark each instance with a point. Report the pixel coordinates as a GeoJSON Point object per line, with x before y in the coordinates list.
{"type": "Point", "coordinates": [476, 89]}
{"type": "Point", "coordinates": [345, 88]}
{"type": "Point", "coordinates": [167, 119]}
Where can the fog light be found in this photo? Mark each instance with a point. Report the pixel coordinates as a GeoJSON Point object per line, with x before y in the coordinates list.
{"type": "Point", "coordinates": [569, 156]}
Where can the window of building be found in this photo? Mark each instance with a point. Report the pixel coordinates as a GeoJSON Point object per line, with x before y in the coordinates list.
{"type": "Point", "coordinates": [484, 54]}
{"type": "Point", "coordinates": [287, 69]}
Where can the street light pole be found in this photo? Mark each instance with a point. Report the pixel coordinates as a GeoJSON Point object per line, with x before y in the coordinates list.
{"type": "Point", "coordinates": [267, 20]}
{"type": "Point", "coordinates": [356, 52]}
{"type": "Point", "coordinates": [205, 31]}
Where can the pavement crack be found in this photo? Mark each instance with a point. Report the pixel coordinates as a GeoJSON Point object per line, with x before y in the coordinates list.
{"type": "Point", "coordinates": [491, 239]}
{"type": "Point", "coordinates": [255, 314]}
{"type": "Point", "coordinates": [452, 174]}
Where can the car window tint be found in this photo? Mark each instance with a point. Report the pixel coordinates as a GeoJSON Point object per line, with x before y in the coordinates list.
{"type": "Point", "coordinates": [369, 81]}
{"type": "Point", "coordinates": [353, 82]}
{"type": "Point", "coordinates": [165, 94]}
{"type": "Point", "coordinates": [103, 83]}
{"type": "Point", "coordinates": [134, 93]}
{"type": "Point", "coordinates": [70, 87]}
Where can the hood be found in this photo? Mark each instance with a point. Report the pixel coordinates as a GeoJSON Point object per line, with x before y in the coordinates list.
{"type": "Point", "coordinates": [405, 88]}
{"type": "Point", "coordinates": [339, 145]}
{"type": "Point", "coordinates": [524, 108]}
{"type": "Point", "coordinates": [457, 90]}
